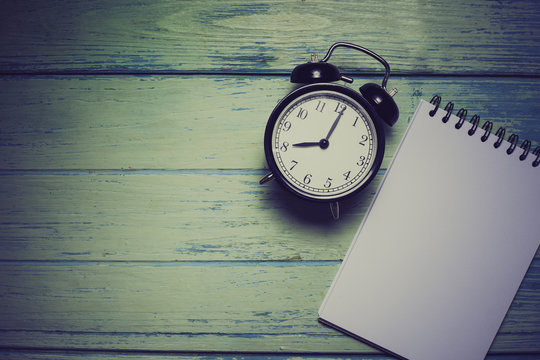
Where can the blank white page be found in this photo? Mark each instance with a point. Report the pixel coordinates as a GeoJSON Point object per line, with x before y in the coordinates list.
{"type": "Point", "coordinates": [444, 246]}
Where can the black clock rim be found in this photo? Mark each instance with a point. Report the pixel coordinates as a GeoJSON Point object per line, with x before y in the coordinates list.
{"type": "Point", "coordinates": [379, 130]}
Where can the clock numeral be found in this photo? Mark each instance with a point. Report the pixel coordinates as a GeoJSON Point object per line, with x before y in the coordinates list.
{"type": "Point", "coordinates": [320, 106]}
{"type": "Point", "coordinates": [363, 141]}
{"type": "Point", "coordinates": [355, 121]}
{"type": "Point", "coordinates": [362, 161]}
{"type": "Point", "coordinates": [328, 183]}
{"type": "Point", "coordinates": [287, 126]}
{"type": "Point", "coordinates": [347, 175]}
{"type": "Point", "coordinates": [284, 147]}
{"type": "Point", "coordinates": [340, 107]}
{"type": "Point", "coordinates": [307, 178]}
{"type": "Point", "coordinates": [302, 114]}
{"type": "Point", "coordinates": [294, 162]}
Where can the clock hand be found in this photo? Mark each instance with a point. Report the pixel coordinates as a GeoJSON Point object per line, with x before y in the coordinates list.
{"type": "Point", "coordinates": [323, 144]}
{"type": "Point", "coordinates": [334, 125]}
{"type": "Point", "coordinates": [307, 144]}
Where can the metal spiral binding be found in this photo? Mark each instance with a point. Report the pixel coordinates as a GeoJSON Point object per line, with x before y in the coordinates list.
{"type": "Point", "coordinates": [536, 152]}
{"type": "Point", "coordinates": [488, 125]}
{"type": "Point", "coordinates": [513, 139]}
{"type": "Point", "coordinates": [500, 133]}
{"type": "Point", "coordinates": [462, 115]}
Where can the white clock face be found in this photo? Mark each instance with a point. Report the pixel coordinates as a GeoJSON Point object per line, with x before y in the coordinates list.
{"type": "Point", "coordinates": [324, 144]}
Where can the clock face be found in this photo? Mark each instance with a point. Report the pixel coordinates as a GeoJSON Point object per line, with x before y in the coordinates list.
{"type": "Point", "coordinates": [324, 144]}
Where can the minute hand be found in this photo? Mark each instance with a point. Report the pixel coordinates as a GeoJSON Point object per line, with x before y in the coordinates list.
{"type": "Point", "coordinates": [334, 125]}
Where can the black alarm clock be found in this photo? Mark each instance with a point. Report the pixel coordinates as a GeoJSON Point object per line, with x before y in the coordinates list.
{"type": "Point", "coordinates": [324, 141]}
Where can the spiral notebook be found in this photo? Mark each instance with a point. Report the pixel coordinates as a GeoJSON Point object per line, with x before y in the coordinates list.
{"type": "Point", "coordinates": [445, 243]}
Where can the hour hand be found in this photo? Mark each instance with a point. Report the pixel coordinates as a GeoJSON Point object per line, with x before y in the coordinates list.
{"type": "Point", "coordinates": [323, 144]}
{"type": "Point", "coordinates": [307, 144]}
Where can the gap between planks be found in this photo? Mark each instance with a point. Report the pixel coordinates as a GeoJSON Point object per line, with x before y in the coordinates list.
{"type": "Point", "coordinates": [68, 354]}
{"type": "Point", "coordinates": [167, 263]}
{"type": "Point", "coordinates": [256, 73]}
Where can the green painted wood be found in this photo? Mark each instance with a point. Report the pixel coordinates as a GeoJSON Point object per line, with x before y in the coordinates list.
{"type": "Point", "coordinates": [415, 36]}
{"type": "Point", "coordinates": [167, 217]}
{"type": "Point", "coordinates": [197, 307]}
{"type": "Point", "coordinates": [181, 213]}
{"type": "Point", "coordinates": [69, 355]}
{"type": "Point", "coordinates": [12, 355]}
{"type": "Point", "coordinates": [168, 356]}
{"type": "Point", "coordinates": [201, 122]}
{"type": "Point", "coordinates": [132, 224]}
{"type": "Point", "coordinates": [148, 215]}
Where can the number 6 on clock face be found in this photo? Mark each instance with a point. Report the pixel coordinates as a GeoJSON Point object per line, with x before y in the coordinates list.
{"type": "Point", "coordinates": [324, 142]}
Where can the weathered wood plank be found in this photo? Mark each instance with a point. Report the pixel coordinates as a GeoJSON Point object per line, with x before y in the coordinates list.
{"type": "Point", "coordinates": [122, 36]}
{"type": "Point", "coordinates": [245, 306]}
{"type": "Point", "coordinates": [169, 217]}
{"type": "Point", "coordinates": [133, 355]}
{"type": "Point", "coordinates": [107, 182]}
{"type": "Point", "coordinates": [200, 122]}
{"type": "Point", "coordinates": [166, 217]}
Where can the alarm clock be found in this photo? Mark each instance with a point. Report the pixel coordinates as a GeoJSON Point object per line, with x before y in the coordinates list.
{"type": "Point", "coordinates": [325, 141]}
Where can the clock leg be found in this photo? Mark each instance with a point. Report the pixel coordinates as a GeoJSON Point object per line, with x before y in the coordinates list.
{"type": "Point", "coordinates": [266, 178]}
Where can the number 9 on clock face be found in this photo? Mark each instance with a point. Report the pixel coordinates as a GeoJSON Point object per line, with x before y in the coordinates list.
{"type": "Point", "coordinates": [324, 142]}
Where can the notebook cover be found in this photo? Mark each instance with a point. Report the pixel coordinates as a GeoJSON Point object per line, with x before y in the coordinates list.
{"type": "Point", "coordinates": [443, 247]}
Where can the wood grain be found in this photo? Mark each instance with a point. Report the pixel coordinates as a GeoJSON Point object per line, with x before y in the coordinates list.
{"type": "Point", "coordinates": [201, 122]}
{"type": "Point", "coordinates": [72, 199]}
{"type": "Point", "coordinates": [427, 37]}
{"type": "Point", "coordinates": [247, 306]}
{"type": "Point", "coordinates": [168, 217]}
{"type": "Point", "coordinates": [132, 224]}
{"type": "Point", "coordinates": [150, 355]}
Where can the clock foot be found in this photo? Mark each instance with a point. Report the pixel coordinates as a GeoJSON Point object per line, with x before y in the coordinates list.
{"type": "Point", "coordinates": [334, 209]}
{"type": "Point", "coordinates": [267, 178]}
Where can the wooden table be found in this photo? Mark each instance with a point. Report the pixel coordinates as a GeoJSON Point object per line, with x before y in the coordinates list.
{"type": "Point", "coordinates": [132, 224]}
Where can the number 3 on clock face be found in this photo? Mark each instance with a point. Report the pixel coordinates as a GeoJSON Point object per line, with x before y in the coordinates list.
{"type": "Point", "coordinates": [323, 142]}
